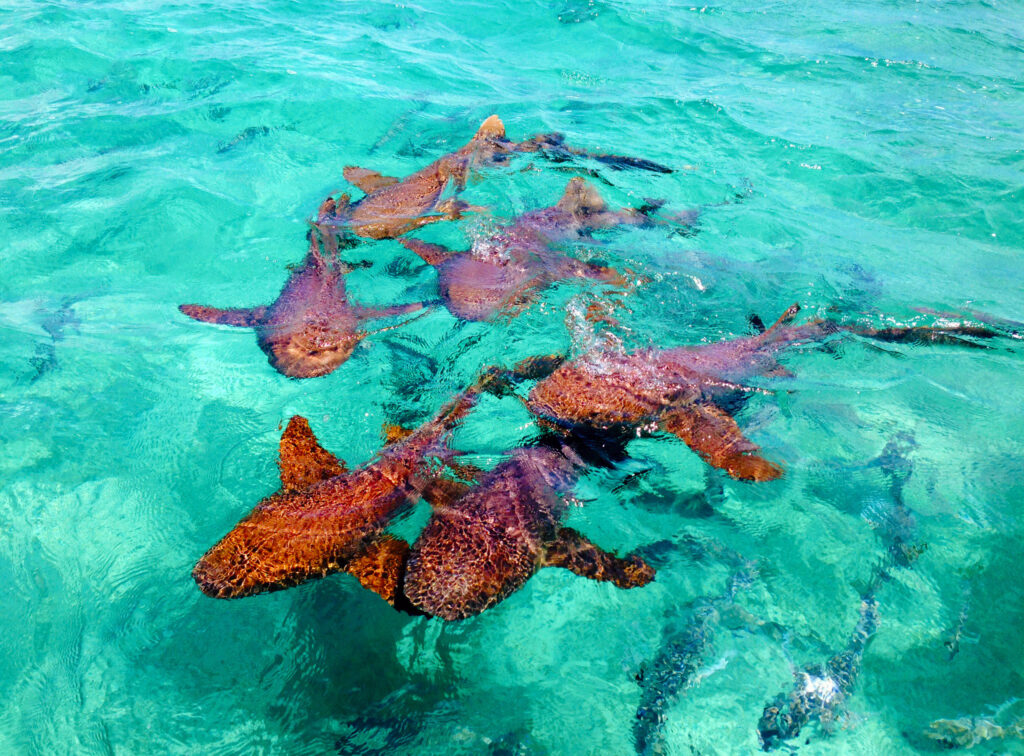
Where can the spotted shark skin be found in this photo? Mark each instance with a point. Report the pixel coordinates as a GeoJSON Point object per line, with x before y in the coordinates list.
{"type": "Point", "coordinates": [680, 391]}
{"type": "Point", "coordinates": [392, 206]}
{"type": "Point", "coordinates": [484, 541]}
{"type": "Point", "coordinates": [510, 269]}
{"type": "Point", "coordinates": [312, 327]}
{"type": "Point", "coordinates": [326, 519]}
{"type": "Point", "coordinates": [821, 690]}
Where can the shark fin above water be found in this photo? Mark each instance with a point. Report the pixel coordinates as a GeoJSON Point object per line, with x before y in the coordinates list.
{"type": "Point", "coordinates": [303, 461]}
{"type": "Point", "coordinates": [715, 436]}
{"type": "Point", "coordinates": [368, 181]}
{"type": "Point", "coordinates": [240, 317]}
{"type": "Point", "coordinates": [491, 128]}
{"type": "Point", "coordinates": [581, 198]}
{"type": "Point", "coordinates": [393, 432]}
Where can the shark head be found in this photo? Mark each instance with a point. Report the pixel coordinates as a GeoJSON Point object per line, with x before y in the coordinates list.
{"type": "Point", "coordinates": [308, 349]}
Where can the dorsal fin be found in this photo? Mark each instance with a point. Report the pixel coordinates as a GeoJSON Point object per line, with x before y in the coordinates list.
{"type": "Point", "coordinates": [302, 460]}
{"type": "Point", "coordinates": [492, 128]}
{"type": "Point", "coordinates": [394, 432]}
{"type": "Point", "coordinates": [581, 198]}
{"type": "Point", "coordinates": [787, 317]}
{"type": "Point", "coordinates": [443, 492]}
{"type": "Point", "coordinates": [368, 181]}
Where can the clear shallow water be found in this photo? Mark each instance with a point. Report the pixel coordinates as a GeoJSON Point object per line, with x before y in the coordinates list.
{"type": "Point", "coordinates": [866, 158]}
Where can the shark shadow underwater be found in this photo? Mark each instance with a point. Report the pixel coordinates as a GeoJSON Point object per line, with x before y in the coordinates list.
{"type": "Point", "coordinates": [312, 327]}
{"type": "Point", "coordinates": [392, 206]}
{"type": "Point", "coordinates": [504, 273]}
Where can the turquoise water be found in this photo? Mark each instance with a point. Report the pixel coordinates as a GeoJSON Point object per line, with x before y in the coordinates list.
{"type": "Point", "coordinates": [866, 158]}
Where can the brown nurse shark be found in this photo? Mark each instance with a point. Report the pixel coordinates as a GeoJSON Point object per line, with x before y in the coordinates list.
{"type": "Point", "coordinates": [503, 273]}
{"type": "Point", "coordinates": [681, 391]}
{"type": "Point", "coordinates": [483, 542]}
{"type": "Point", "coordinates": [312, 327]}
{"type": "Point", "coordinates": [325, 519]}
{"type": "Point", "coordinates": [394, 206]}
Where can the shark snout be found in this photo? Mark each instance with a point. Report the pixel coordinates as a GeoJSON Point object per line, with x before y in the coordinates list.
{"type": "Point", "coordinates": [301, 358]}
{"type": "Point", "coordinates": [217, 574]}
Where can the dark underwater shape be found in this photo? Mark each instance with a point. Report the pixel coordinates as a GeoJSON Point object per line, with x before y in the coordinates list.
{"type": "Point", "coordinates": [312, 327]}
{"type": "Point", "coordinates": [508, 270]}
{"type": "Point", "coordinates": [683, 652]}
{"type": "Point", "coordinates": [682, 391]}
{"type": "Point", "coordinates": [325, 519]}
{"type": "Point", "coordinates": [394, 206]}
{"type": "Point", "coordinates": [483, 542]}
{"type": "Point", "coordinates": [820, 690]}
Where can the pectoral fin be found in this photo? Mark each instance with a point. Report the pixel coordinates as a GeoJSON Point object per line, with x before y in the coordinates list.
{"type": "Point", "coordinates": [302, 460]}
{"type": "Point", "coordinates": [576, 553]}
{"type": "Point", "coordinates": [369, 313]}
{"type": "Point", "coordinates": [380, 567]}
{"type": "Point", "coordinates": [241, 317]}
{"type": "Point", "coordinates": [716, 437]}
{"type": "Point", "coordinates": [368, 181]}
{"type": "Point", "coordinates": [442, 492]}
{"type": "Point", "coordinates": [432, 254]}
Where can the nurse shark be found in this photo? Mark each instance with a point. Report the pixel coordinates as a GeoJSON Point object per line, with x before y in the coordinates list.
{"type": "Point", "coordinates": [505, 272]}
{"type": "Point", "coordinates": [312, 327]}
{"type": "Point", "coordinates": [325, 518]}
{"type": "Point", "coordinates": [821, 690]}
{"type": "Point", "coordinates": [484, 541]}
{"type": "Point", "coordinates": [393, 206]}
{"type": "Point", "coordinates": [683, 391]}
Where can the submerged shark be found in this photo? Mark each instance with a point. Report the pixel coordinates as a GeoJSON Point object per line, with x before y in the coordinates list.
{"type": "Point", "coordinates": [312, 327]}
{"type": "Point", "coordinates": [821, 690]}
{"type": "Point", "coordinates": [683, 654]}
{"type": "Point", "coordinates": [683, 391]}
{"type": "Point", "coordinates": [505, 272]}
{"type": "Point", "coordinates": [393, 206]}
{"type": "Point", "coordinates": [967, 732]}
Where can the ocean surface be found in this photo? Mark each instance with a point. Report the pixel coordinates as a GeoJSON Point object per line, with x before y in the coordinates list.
{"type": "Point", "coordinates": [864, 159]}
